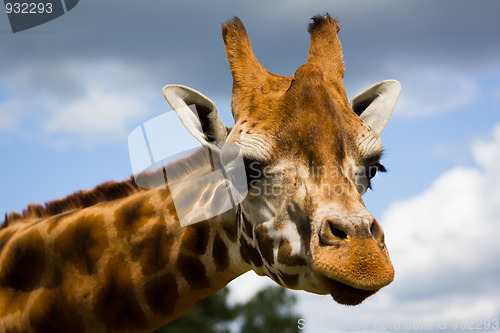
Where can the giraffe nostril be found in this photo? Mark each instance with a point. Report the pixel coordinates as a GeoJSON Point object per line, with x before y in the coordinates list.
{"type": "Point", "coordinates": [377, 232]}
{"type": "Point", "coordinates": [336, 231]}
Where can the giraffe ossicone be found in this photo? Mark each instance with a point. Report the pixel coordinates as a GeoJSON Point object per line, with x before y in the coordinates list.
{"type": "Point", "coordinates": [116, 258]}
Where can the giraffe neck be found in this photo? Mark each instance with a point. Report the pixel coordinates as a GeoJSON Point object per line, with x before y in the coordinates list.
{"type": "Point", "coordinates": [116, 266]}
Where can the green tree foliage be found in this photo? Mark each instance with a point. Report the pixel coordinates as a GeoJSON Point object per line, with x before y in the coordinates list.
{"type": "Point", "coordinates": [270, 311]}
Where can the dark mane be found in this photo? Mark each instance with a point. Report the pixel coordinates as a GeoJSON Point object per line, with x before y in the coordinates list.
{"type": "Point", "coordinates": [107, 191]}
{"type": "Point", "coordinates": [319, 20]}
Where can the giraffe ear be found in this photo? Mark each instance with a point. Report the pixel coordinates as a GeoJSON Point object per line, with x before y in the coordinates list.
{"type": "Point", "coordinates": [197, 113]}
{"type": "Point", "coordinates": [375, 104]}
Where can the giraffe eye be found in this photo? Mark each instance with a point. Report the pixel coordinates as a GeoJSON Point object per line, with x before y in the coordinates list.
{"type": "Point", "coordinates": [371, 171]}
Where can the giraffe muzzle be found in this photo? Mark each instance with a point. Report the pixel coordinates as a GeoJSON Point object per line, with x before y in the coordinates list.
{"type": "Point", "coordinates": [351, 259]}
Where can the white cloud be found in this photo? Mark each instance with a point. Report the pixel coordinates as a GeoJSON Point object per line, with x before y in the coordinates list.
{"type": "Point", "coordinates": [487, 153]}
{"type": "Point", "coordinates": [444, 242]}
{"type": "Point", "coordinates": [454, 223]}
{"type": "Point", "coordinates": [98, 114]}
{"type": "Point", "coordinates": [9, 115]}
{"type": "Point", "coordinates": [434, 91]}
{"type": "Point", "coordinates": [76, 102]}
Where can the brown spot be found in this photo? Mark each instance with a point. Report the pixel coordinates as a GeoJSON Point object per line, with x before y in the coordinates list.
{"type": "Point", "coordinates": [161, 294]}
{"type": "Point", "coordinates": [83, 243]}
{"type": "Point", "coordinates": [130, 218]}
{"type": "Point", "coordinates": [171, 210]}
{"type": "Point", "coordinates": [153, 250]}
{"type": "Point", "coordinates": [53, 312]}
{"type": "Point", "coordinates": [303, 224]}
{"type": "Point", "coordinates": [286, 258]}
{"type": "Point", "coordinates": [195, 237]}
{"type": "Point", "coordinates": [266, 245]}
{"type": "Point", "coordinates": [274, 277]}
{"type": "Point", "coordinates": [249, 253]}
{"type": "Point", "coordinates": [116, 304]}
{"type": "Point", "coordinates": [24, 262]}
{"type": "Point", "coordinates": [290, 280]}
{"type": "Point", "coordinates": [244, 250]}
{"type": "Point", "coordinates": [220, 254]}
{"type": "Point", "coordinates": [56, 278]}
{"type": "Point", "coordinates": [248, 226]}
{"type": "Point", "coordinates": [193, 270]}
{"type": "Point", "coordinates": [231, 232]}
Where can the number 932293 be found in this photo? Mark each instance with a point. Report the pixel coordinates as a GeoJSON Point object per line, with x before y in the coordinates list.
{"type": "Point", "coordinates": [28, 8]}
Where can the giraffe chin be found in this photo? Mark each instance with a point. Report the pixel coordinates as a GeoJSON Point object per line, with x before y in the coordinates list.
{"type": "Point", "coordinates": [345, 294]}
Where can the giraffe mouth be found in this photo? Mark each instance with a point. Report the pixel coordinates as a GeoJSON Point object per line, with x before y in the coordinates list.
{"type": "Point", "coordinates": [345, 294]}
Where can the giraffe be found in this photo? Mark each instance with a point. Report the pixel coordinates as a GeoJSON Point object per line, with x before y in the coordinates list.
{"type": "Point", "coordinates": [116, 259]}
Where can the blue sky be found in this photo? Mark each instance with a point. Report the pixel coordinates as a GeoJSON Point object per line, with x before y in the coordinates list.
{"type": "Point", "coordinates": [72, 90]}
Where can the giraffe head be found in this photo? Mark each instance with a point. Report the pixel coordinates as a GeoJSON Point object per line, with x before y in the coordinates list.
{"type": "Point", "coordinates": [309, 156]}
